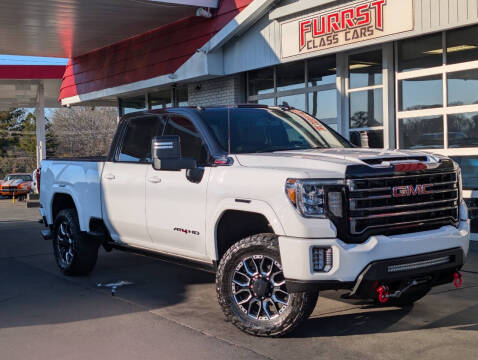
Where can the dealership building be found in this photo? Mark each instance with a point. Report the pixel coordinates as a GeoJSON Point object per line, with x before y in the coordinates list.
{"type": "Point", "coordinates": [384, 73]}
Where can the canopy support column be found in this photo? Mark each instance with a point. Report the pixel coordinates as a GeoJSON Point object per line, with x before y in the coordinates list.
{"type": "Point", "coordinates": [40, 124]}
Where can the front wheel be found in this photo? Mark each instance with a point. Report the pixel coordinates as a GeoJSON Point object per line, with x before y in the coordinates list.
{"type": "Point", "coordinates": [251, 289]}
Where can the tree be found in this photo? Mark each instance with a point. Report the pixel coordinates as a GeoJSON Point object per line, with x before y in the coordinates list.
{"type": "Point", "coordinates": [83, 131]}
{"type": "Point", "coordinates": [10, 123]}
{"type": "Point", "coordinates": [27, 141]}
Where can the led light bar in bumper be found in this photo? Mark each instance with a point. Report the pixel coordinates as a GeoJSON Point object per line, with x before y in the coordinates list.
{"type": "Point", "coordinates": [419, 264]}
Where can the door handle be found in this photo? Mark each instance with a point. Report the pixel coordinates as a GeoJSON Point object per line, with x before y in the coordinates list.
{"type": "Point", "coordinates": [154, 179]}
{"type": "Point", "coordinates": [109, 176]}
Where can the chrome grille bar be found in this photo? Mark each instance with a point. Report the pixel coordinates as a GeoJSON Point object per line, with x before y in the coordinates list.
{"type": "Point", "coordinates": [376, 216]}
{"type": "Point", "coordinates": [373, 206]}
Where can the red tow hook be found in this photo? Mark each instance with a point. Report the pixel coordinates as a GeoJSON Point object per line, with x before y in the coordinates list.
{"type": "Point", "coordinates": [383, 295]}
{"type": "Point", "coordinates": [458, 279]}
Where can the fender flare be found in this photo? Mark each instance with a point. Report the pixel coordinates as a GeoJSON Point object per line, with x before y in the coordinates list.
{"type": "Point", "coordinates": [254, 206]}
{"type": "Point", "coordinates": [66, 190]}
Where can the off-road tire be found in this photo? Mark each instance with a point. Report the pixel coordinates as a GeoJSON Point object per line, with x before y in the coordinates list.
{"type": "Point", "coordinates": [300, 305]}
{"type": "Point", "coordinates": [84, 250]}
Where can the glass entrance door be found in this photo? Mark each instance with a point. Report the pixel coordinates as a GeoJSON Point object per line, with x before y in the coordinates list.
{"type": "Point", "coordinates": [364, 89]}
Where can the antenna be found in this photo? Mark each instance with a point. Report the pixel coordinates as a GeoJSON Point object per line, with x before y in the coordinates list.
{"type": "Point", "coordinates": [228, 129]}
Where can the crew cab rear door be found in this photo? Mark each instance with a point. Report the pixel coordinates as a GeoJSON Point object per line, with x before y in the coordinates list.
{"type": "Point", "coordinates": [123, 182]}
{"type": "Point", "coordinates": [175, 206]}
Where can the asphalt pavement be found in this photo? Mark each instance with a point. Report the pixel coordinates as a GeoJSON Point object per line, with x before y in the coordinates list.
{"type": "Point", "coordinates": [171, 312]}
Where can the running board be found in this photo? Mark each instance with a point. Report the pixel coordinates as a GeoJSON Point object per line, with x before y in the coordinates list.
{"type": "Point", "coordinates": [169, 258]}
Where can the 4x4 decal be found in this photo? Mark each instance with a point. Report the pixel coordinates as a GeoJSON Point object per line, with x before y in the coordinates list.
{"type": "Point", "coordinates": [186, 231]}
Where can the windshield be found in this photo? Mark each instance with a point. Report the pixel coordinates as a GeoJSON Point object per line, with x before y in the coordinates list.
{"type": "Point", "coordinates": [258, 130]}
{"type": "Point", "coordinates": [18, 177]}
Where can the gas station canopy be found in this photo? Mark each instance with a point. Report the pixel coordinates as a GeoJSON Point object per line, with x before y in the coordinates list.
{"type": "Point", "coordinates": [19, 85]}
{"type": "Point", "coordinates": [68, 28]}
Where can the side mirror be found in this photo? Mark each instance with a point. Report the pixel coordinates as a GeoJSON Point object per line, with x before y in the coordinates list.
{"type": "Point", "coordinates": [166, 154]}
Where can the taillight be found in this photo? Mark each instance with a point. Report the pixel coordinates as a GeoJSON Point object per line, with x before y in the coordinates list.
{"type": "Point", "coordinates": [38, 179]}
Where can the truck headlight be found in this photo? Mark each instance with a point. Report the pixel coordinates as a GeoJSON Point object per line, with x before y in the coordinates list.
{"type": "Point", "coordinates": [311, 198]}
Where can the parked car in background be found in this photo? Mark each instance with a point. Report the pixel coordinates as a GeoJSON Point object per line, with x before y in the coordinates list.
{"type": "Point", "coordinates": [17, 185]}
{"type": "Point", "coordinates": [36, 181]}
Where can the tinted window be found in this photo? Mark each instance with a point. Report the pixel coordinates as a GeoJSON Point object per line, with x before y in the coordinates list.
{"type": "Point", "coordinates": [462, 45]}
{"type": "Point", "coordinates": [323, 105]}
{"type": "Point", "coordinates": [463, 87]}
{"type": "Point", "coordinates": [161, 99]}
{"type": "Point", "coordinates": [133, 104]}
{"type": "Point", "coordinates": [469, 171]}
{"type": "Point", "coordinates": [366, 108]}
{"type": "Point", "coordinates": [137, 140]}
{"type": "Point", "coordinates": [421, 133]}
{"type": "Point", "coordinates": [291, 76]}
{"type": "Point", "coordinates": [268, 130]}
{"type": "Point", "coordinates": [420, 93]}
{"type": "Point", "coordinates": [261, 81]}
{"type": "Point", "coordinates": [296, 101]}
{"type": "Point", "coordinates": [365, 69]}
{"type": "Point", "coordinates": [369, 138]}
{"type": "Point", "coordinates": [192, 145]}
{"type": "Point", "coordinates": [463, 130]}
{"type": "Point", "coordinates": [322, 71]}
{"type": "Point", "coordinates": [420, 53]}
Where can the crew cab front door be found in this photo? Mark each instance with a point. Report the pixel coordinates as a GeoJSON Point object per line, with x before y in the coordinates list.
{"type": "Point", "coordinates": [123, 182]}
{"type": "Point", "coordinates": [175, 206]}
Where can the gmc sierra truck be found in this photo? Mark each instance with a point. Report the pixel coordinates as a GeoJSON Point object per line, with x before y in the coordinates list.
{"type": "Point", "coordinates": [273, 201]}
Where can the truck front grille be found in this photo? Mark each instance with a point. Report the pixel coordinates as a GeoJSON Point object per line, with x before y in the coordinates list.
{"type": "Point", "coordinates": [391, 203]}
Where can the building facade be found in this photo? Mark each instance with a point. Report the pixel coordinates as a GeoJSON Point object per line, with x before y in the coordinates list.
{"type": "Point", "coordinates": [384, 73]}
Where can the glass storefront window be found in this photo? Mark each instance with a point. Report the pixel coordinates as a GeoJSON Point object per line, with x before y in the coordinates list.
{"type": "Point", "coordinates": [182, 97]}
{"type": "Point", "coordinates": [463, 87]}
{"type": "Point", "coordinates": [469, 170]}
{"type": "Point", "coordinates": [322, 71]}
{"type": "Point", "coordinates": [420, 53]}
{"type": "Point", "coordinates": [365, 69]}
{"type": "Point", "coordinates": [463, 130]}
{"type": "Point", "coordinates": [462, 45]}
{"type": "Point", "coordinates": [421, 133]}
{"type": "Point", "coordinates": [369, 138]}
{"type": "Point", "coordinates": [291, 76]}
{"type": "Point", "coordinates": [296, 101]}
{"type": "Point", "coordinates": [161, 99]}
{"type": "Point", "coordinates": [132, 104]}
{"type": "Point", "coordinates": [268, 102]}
{"type": "Point", "coordinates": [366, 108]}
{"type": "Point", "coordinates": [323, 105]}
{"type": "Point", "coordinates": [420, 93]}
{"type": "Point", "coordinates": [261, 81]}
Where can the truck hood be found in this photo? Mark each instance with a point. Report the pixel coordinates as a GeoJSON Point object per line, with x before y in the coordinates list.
{"type": "Point", "coordinates": [329, 162]}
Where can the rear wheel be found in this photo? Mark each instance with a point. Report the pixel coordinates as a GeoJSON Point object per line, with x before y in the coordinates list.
{"type": "Point", "coordinates": [251, 289]}
{"type": "Point", "coordinates": [75, 253]}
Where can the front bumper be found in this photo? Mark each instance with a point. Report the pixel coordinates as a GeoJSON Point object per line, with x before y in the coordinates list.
{"type": "Point", "coordinates": [13, 192]}
{"type": "Point", "coordinates": [350, 260]}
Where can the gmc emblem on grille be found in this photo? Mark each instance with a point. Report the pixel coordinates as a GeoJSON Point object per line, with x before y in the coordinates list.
{"type": "Point", "coordinates": [410, 190]}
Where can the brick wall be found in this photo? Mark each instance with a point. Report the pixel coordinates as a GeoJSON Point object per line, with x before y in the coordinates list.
{"type": "Point", "coordinates": [220, 91]}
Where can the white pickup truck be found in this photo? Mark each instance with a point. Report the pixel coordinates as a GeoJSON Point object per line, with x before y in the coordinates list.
{"type": "Point", "coordinates": [277, 204]}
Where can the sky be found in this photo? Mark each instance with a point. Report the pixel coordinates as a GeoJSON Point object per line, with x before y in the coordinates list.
{"type": "Point", "coordinates": [31, 60]}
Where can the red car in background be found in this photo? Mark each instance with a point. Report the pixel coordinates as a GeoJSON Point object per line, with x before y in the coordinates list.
{"type": "Point", "coordinates": [16, 185]}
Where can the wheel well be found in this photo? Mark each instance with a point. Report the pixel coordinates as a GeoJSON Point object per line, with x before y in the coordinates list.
{"type": "Point", "coordinates": [61, 202]}
{"type": "Point", "coordinates": [236, 225]}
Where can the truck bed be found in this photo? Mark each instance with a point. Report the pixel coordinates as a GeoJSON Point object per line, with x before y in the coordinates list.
{"type": "Point", "coordinates": [80, 178]}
